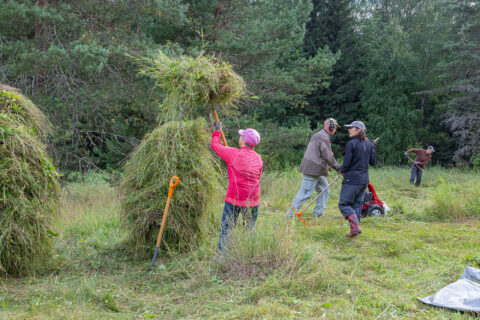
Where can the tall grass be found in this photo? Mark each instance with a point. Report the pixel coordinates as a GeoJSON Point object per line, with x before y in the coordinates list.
{"type": "Point", "coordinates": [452, 201]}
{"type": "Point", "coordinates": [251, 254]}
{"type": "Point", "coordinates": [283, 270]}
{"type": "Point", "coordinates": [90, 228]}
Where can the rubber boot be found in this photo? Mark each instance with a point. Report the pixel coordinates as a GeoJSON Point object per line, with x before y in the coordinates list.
{"type": "Point", "coordinates": [354, 226]}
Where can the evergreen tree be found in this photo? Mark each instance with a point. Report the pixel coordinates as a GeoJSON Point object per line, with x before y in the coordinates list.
{"type": "Point", "coordinates": [461, 77]}
{"type": "Point", "coordinates": [73, 59]}
{"type": "Point", "coordinates": [332, 24]}
{"type": "Point", "coordinates": [262, 39]}
{"type": "Point", "coordinates": [388, 89]}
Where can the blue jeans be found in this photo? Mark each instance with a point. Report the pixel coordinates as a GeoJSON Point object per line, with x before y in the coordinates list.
{"type": "Point", "coordinates": [229, 220]}
{"type": "Point", "coordinates": [416, 173]}
{"type": "Point", "coordinates": [309, 184]}
{"type": "Point", "coordinates": [351, 200]}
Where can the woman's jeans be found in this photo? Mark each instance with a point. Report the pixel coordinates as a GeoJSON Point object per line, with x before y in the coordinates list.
{"type": "Point", "coordinates": [351, 201]}
{"type": "Point", "coordinates": [229, 220]}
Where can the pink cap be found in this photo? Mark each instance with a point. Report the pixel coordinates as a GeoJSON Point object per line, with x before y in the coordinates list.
{"type": "Point", "coordinates": [251, 136]}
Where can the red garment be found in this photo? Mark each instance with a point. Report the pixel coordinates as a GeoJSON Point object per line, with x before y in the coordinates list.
{"type": "Point", "coordinates": [244, 172]}
{"type": "Point", "coordinates": [422, 156]}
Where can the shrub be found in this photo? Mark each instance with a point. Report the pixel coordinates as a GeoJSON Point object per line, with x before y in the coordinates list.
{"type": "Point", "coordinates": [476, 161]}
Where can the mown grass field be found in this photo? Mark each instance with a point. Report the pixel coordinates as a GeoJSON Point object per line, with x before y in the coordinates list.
{"type": "Point", "coordinates": [283, 271]}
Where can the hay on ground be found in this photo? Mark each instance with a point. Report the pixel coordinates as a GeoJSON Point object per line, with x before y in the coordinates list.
{"type": "Point", "coordinates": [29, 188]}
{"type": "Point", "coordinates": [176, 148]}
{"type": "Point", "coordinates": [194, 86]}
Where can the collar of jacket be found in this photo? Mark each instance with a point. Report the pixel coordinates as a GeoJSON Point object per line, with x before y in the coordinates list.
{"type": "Point", "coordinates": [325, 132]}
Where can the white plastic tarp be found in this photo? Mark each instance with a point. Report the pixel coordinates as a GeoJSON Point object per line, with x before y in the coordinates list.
{"type": "Point", "coordinates": [463, 294]}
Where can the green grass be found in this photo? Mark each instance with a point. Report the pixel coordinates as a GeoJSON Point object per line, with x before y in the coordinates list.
{"type": "Point", "coordinates": [283, 271]}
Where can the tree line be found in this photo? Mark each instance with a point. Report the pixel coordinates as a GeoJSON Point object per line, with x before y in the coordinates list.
{"type": "Point", "coordinates": [408, 68]}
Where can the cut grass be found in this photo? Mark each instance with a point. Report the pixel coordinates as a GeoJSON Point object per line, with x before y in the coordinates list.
{"type": "Point", "coordinates": [29, 187]}
{"type": "Point", "coordinates": [376, 276]}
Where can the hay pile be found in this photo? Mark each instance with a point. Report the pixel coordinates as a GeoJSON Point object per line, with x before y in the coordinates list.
{"type": "Point", "coordinates": [29, 188]}
{"type": "Point", "coordinates": [175, 148]}
{"type": "Point", "coordinates": [194, 86]}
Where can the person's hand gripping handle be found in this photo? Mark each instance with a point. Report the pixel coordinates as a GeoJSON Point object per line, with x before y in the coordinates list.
{"type": "Point", "coordinates": [215, 115]}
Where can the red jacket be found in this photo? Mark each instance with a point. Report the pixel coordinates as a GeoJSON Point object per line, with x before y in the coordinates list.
{"type": "Point", "coordinates": [422, 156]}
{"type": "Point", "coordinates": [244, 171]}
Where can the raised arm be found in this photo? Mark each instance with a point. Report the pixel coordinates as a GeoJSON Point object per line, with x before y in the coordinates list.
{"type": "Point", "coordinates": [413, 151]}
{"type": "Point", "coordinates": [226, 153]}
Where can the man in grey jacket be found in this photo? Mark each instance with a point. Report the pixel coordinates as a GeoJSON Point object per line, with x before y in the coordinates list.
{"type": "Point", "coordinates": [315, 164]}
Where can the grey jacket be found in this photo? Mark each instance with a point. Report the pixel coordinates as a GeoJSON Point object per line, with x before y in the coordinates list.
{"type": "Point", "coordinates": [318, 156]}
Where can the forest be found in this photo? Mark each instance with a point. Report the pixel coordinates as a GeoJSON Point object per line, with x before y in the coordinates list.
{"type": "Point", "coordinates": [408, 68]}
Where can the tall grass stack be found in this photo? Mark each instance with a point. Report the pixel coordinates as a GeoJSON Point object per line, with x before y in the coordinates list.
{"type": "Point", "coordinates": [29, 188]}
{"type": "Point", "coordinates": [193, 87]}
{"type": "Point", "coordinates": [176, 148]}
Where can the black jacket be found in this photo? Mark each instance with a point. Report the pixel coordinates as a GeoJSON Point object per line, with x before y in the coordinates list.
{"type": "Point", "coordinates": [358, 155]}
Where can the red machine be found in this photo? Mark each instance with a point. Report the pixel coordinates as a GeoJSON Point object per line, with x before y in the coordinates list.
{"type": "Point", "coordinates": [372, 205]}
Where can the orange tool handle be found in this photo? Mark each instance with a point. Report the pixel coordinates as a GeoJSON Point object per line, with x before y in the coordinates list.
{"type": "Point", "coordinates": [215, 115]}
{"type": "Point", "coordinates": [173, 183]}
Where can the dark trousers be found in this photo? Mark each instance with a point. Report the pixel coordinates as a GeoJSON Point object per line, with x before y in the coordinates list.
{"type": "Point", "coordinates": [229, 220]}
{"type": "Point", "coordinates": [416, 172]}
{"type": "Point", "coordinates": [351, 201]}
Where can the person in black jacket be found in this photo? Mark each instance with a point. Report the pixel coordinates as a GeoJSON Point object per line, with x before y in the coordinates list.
{"type": "Point", "coordinates": [359, 154]}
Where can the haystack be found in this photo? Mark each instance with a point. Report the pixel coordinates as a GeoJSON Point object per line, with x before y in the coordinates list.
{"type": "Point", "coordinates": [175, 148]}
{"type": "Point", "coordinates": [22, 111]}
{"type": "Point", "coordinates": [193, 86]}
{"type": "Point", "coordinates": [29, 188]}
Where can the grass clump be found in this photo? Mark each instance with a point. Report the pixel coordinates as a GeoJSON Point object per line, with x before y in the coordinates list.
{"type": "Point", "coordinates": [176, 148]}
{"type": "Point", "coordinates": [448, 202]}
{"type": "Point", "coordinates": [257, 254]}
{"type": "Point", "coordinates": [193, 86]}
{"type": "Point", "coordinates": [29, 188]}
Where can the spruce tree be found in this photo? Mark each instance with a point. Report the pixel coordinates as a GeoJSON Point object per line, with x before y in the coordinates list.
{"type": "Point", "coordinates": [461, 76]}
{"type": "Point", "coordinates": [332, 24]}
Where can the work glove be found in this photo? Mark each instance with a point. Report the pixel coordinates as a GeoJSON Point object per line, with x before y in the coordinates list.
{"type": "Point", "coordinates": [218, 126]}
{"type": "Point", "coordinates": [406, 154]}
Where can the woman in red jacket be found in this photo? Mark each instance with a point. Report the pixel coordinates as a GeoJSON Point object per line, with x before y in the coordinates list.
{"type": "Point", "coordinates": [244, 172]}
